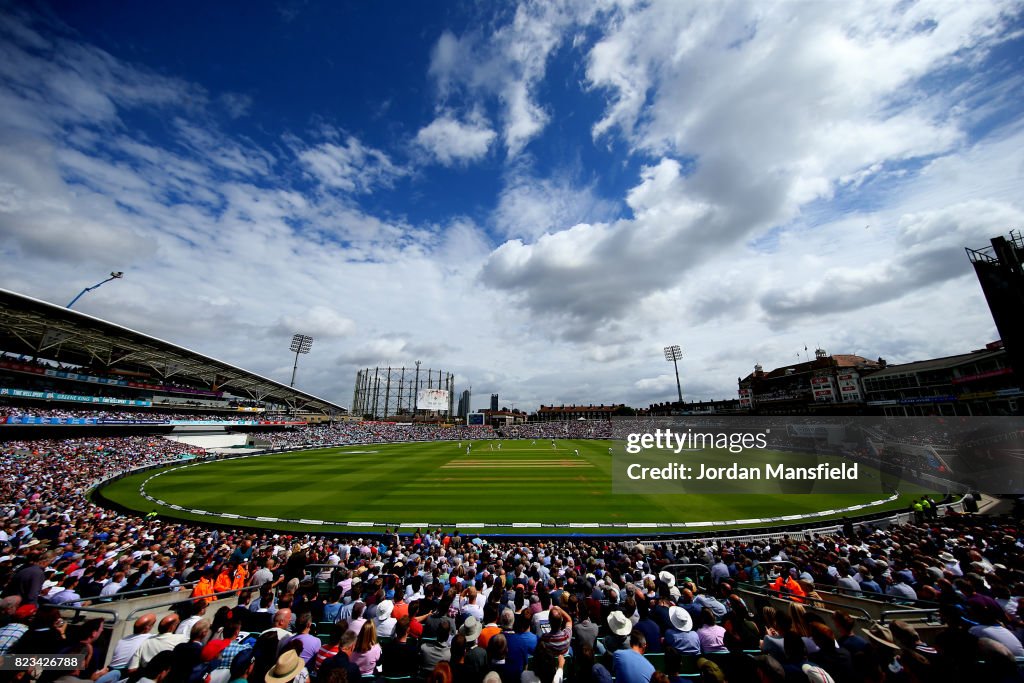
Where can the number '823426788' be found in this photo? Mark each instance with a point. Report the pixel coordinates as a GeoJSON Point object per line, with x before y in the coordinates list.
{"type": "Point", "coordinates": [66, 662]}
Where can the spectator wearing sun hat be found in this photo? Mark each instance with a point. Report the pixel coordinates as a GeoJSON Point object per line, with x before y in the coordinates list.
{"type": "Point", "coordinates": [885, 644]}
{"type": "Point", "coordinates": [680, 635]}
{"type": "Point", "coordinates": [620, 627]}
{"type": "Point", "coordinates": [384, 621]}
{"type": "Point", "coordinates": [475, 656]}
{"type": "Point", "coordinates": [950, 563]}
{"type": "Point", "coordinates": [288, 668]}
{"type": "Point", "coordinates": [669, 581]}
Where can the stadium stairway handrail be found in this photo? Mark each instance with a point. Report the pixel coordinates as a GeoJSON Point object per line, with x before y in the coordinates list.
{"type": "Point", "coordinates": [121, 596]}
{"type": "Point", "coordinates": [881, 597]}
{"type": "Point", "coordinates": [808, 603]}
{"type": "Point", "coordinates": [872, 610]}
{"type": "Point", "coordinates": [672, 568]}
{"type": "Point", "coordinates": [127, 622]}
{"type": "Point", "coordinates": [924, 605]}
{"type": "Point", "coordinates": [904, 606]}
{"type": "Point", "coordinates": [109, 627]}
{"type": "Point", "coordinates": [912, 612]}
{"type": "Point", "coordinates": [131, 616]}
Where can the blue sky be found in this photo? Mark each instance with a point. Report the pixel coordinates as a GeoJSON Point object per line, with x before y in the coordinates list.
{"type": "Point", "coordinates": [537, 196]}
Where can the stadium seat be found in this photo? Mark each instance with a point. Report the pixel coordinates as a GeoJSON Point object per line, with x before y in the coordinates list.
{"type": "Point", "coordinates": [657, 659]}
{"type": "Point", "coordinates": [688, 665]}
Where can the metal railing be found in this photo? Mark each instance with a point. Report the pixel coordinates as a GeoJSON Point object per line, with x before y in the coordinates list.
{"type": "Point", "coordinates": [143, 592]}
{"type": "Point", "coordinates": [677, 571]}
{"type": "Point", "coordinates": [878, 597]}
{"type": "Point", "coordinates": [134, 614]}
{"type": "Point", "coordinates": [808, 603]}
{"type": "Point", "coordinates": [929, 614]}
{"type": "Point", "coordinates": [89, 610]}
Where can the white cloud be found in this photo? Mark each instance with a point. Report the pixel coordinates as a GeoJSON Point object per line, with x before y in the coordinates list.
{"type": "Point", "coordinates": [350, 166]}
{"type": "Point", "coordinates": [529, 207]}
{"type": "Point", "coordinates": [453, 142]}
{"type": "Point", "coordinates": [801, 175]}
{"type": "Point", "coordinates": [753, 114]}
{"type": "Point", "coordinates": [319, 322]}
{"type": "Point", "coordinates": [507, 65]}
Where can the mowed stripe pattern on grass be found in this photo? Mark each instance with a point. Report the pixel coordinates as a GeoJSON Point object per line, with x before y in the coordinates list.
{"type": "Point", "coordinates": [514, 463]}
{"type": "Point", "coordinates": [438, 482]}
{"type": "Point", "coordinates": [399, 483]}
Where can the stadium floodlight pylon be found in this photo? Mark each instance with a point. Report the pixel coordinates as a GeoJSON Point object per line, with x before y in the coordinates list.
{"type": "Point", "coordinates": [301, 343]}
{"type": "Point", "coordinates": [674, 354]}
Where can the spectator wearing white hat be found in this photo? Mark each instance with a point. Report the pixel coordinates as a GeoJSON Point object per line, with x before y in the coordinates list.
{"type": "Point", "coordinates": [680, 636]}
{"type": "Point", "coordinates": [620, 626]}
{"type": "Point", "coordinates": [384, 621]}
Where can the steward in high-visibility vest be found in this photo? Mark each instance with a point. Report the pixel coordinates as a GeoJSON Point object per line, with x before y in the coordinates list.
{"type": "Point", "coordinates": [223, 582]}
{"type": "Point", "coordinates": [788, 584]}
{"type": "Point", "coordinates": [204, 589]}
{"type": "Point", "coordinates": [240, 578]}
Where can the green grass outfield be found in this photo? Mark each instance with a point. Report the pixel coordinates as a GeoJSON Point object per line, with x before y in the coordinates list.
{"type": "Point", "coordinates": [437, 483]}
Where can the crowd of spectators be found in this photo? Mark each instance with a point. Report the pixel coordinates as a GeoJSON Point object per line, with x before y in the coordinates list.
{"type": "Point", "coordinates": [372, 432]}
{"type": "Point", "coordinates": [108, 414]}
{"type": "Point", "coordinates": [569, 429]}
{"type": "Point", "coordinates": [444, 607]}
{"type": "Point", "coordinates": [449, 607]}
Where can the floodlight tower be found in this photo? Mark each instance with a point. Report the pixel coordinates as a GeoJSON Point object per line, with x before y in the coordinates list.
{"type": "Point", "coordinates": [674, 354]}
{"type": "Point", "coordinates": [415, 393]}
{"type": "Point", "coordinates": [114, 275]}
{"type": "Point", "coordinates": [301, 343]}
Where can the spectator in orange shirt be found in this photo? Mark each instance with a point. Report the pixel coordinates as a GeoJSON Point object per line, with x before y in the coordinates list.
{"type": "Point", "coordinates": [490, 624]}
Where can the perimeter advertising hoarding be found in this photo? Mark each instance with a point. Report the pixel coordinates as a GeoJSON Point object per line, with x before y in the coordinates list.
{"type": "Point", "coordinates": [432, 399]}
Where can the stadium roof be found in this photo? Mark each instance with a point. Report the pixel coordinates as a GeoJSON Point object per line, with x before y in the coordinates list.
{"type": "Point", "coordinates": [836, 360]}
{"type": "Point", "coordinates": [944, 363]}
{"type": "Point", "coordinates": [580, 409]}
{"type": "Point", "coordinates": [37, 328]}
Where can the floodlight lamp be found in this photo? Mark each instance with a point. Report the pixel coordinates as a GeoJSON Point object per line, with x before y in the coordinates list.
{"type": "Point", "coordinates": [301, 343]}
